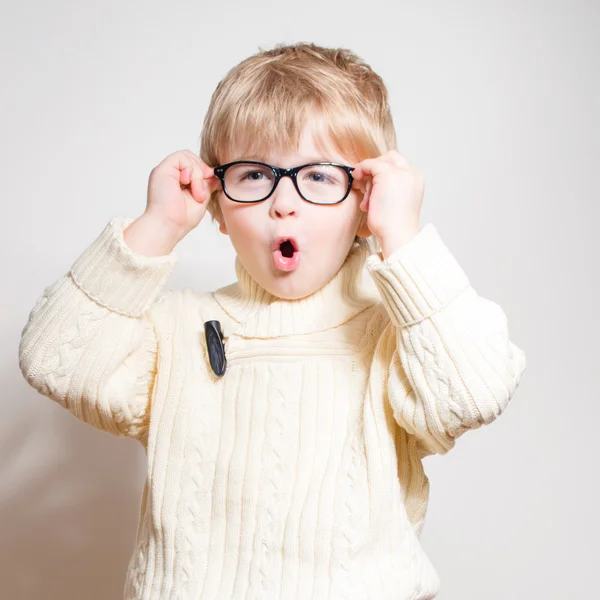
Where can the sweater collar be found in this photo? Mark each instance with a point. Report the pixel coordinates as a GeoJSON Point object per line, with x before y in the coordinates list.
{"type": "Point", "coordinates": [256, 313]}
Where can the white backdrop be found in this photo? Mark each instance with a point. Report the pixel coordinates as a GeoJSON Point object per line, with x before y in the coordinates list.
{"type": "Point", "coordinates": [495, 103]}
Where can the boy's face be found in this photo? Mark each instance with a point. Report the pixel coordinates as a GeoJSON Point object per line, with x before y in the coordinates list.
{"type": "Point", "coordinates": [324, 233]}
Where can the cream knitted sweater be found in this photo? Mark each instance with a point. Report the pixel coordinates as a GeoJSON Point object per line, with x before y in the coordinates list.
{"type": "Point", "coordinates": [298, 474]}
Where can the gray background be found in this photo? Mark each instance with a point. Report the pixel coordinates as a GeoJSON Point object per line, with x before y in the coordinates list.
{"type": "Point", "coordinates": [495, 103]}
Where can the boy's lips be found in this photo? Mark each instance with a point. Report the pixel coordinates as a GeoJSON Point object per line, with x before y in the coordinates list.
{"type": "Point", "coordinates": [285, 263]}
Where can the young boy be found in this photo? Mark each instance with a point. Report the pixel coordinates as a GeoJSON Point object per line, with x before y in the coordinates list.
{"type": "Point", "coordinates": [286, 416]}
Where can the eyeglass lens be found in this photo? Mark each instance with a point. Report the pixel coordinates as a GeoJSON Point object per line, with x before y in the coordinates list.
{"type": "Point", "coordinates": [324, 184]}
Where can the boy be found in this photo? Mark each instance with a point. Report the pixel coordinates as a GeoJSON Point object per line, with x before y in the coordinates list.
{"type": "Point", "coordinates": [285, 416]}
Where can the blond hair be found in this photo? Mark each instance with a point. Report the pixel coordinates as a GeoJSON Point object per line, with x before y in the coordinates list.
{"type": "Point", "coordinates": [265, 100]}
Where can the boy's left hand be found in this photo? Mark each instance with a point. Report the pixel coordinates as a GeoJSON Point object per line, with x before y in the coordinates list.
{"type": "Point", "coordinates": [393, 194]}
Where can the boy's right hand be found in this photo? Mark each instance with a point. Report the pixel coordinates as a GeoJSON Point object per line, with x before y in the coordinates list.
{"type": "Point", "coordinates": [178, 192]}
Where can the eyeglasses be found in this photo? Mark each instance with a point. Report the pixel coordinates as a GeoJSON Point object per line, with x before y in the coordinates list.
{"type": "Point", "coordinates": [253, 181]}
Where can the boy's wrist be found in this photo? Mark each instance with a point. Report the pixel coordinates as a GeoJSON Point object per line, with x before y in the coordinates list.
{"type": "Point", "coordinates": [150, 236]}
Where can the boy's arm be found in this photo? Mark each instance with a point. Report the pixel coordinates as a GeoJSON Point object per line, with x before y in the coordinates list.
{"type": "Point", "coordinates": [451, 365]}
{"type": "Point", "coordinates": [90, 344]}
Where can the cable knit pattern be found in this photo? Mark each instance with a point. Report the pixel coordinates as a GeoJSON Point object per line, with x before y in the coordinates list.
{"type": "Point", "coordinates": [299, 473]}
{"type": "Point", "coordinates": [269, 521]}
{"type": "Point", "coordinates": [137, 562]}
{"type": "Point", "coordinates": [194, 505]}
{"type": "Point", "coordinates": [453, 367]}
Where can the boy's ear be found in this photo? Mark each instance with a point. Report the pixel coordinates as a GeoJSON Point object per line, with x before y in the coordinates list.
{"type": "Point", "coordinates": [363, 230]}
{"type": "Point", "coordinates": [222, 226]}
{"type": "Point", "coordinates": [218, 216]}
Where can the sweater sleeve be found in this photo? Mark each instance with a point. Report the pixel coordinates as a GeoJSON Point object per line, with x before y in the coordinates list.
{"type": "Point", "coordinates": [90, 342]}
{"type": "Point", "coordinates": [452, 366]}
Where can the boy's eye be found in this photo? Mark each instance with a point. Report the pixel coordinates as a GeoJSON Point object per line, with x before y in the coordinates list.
{"type": "Point", "coordinates": [321, 175]}
{"type": "Point", "coordinates": [247, 174]}
{"type": "Point", "coordinates": [318, 177]}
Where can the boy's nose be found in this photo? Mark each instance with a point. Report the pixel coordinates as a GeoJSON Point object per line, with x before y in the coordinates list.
{"type": "Point", "coordinates": [285, 198]}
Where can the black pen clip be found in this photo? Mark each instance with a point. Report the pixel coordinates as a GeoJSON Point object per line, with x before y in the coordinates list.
{"type": "Point", "coordinates": [215, 346]}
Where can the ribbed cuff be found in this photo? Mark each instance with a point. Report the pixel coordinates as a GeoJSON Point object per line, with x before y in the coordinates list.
{"type": "Point", "coordinates": [418, 279]}
{"type": "Point", "coordinates": [116, 277]}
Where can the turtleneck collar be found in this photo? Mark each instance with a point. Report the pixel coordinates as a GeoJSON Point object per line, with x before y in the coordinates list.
{"type": "Point", "coordinates": [256, 313]}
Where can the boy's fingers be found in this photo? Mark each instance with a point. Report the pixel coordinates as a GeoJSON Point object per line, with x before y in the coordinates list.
{"type": "Point", "coordinates": [372, 167]}
{"type": "Point", "coordinates": [207, 172]}
{"type": "Point", "coordinates": [199, 186]}
{"type": "Point", "coordinates": [358, 185]}
{"type": "Point", "coordinates": [186, 175]}
{"type": "Point", "coordinates": [195, 189]}
{"type": "Point", "coordinates": [185, 168]}
{"type": "Point", "coordinates": [198, 175]}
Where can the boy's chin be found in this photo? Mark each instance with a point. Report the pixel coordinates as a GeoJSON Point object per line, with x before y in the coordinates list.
{"type": "Point", "coordinates": [297, 284]}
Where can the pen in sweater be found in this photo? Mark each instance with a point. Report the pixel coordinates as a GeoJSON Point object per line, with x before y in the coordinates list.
{"type": "Point", "coordinates": [215, 346]}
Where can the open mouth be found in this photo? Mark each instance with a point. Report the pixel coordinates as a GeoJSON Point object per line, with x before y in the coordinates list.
{"type": "Point", "coordinates": [286, 244]}
{"type": "Point", "coordinates": [286, 253]}
{"type": "Point", "coordinates": [287, 249]}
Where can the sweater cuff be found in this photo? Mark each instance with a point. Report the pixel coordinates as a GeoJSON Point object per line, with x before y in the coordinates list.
{"type": "Point", "coordinates": [118, 278]}
{"type": "Point", "coordinates": [418, 279]}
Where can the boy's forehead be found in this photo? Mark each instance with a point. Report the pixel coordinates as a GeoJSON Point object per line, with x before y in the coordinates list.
{"type": "Point", "coordinates": [289, 159]}
{"type": "Point", "coordinates": [313, 146]}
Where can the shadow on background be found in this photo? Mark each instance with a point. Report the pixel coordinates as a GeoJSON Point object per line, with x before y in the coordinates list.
{"type": "Point", "coordinates": [69, 498]}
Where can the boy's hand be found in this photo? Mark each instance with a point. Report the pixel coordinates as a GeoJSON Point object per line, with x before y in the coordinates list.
{"type": "Point", "coordinates": [393, 194]}
{"type": "Point", "coordinates": [178, 192]}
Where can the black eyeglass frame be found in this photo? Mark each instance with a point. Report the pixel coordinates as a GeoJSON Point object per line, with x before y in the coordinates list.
{"type": "Point", "coordinates": [278, 172]}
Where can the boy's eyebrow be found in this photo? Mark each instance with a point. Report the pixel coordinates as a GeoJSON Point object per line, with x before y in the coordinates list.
{"type": "Point", "coordinates": [304, 159]}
